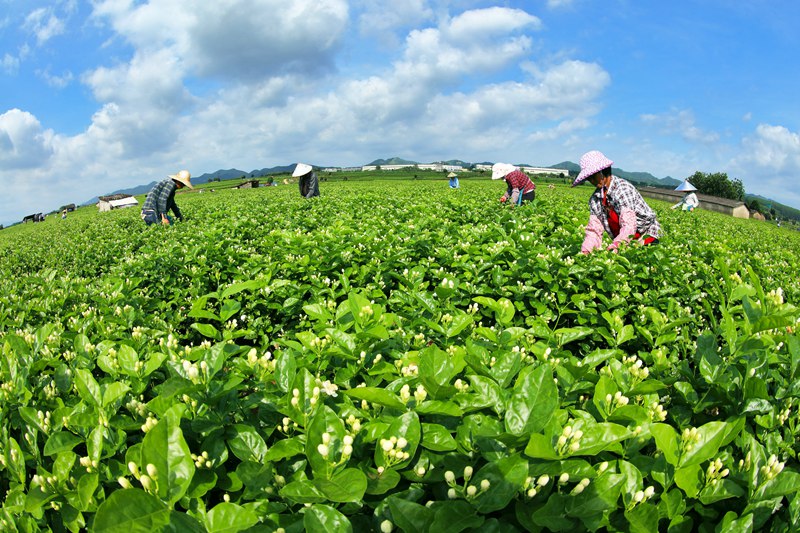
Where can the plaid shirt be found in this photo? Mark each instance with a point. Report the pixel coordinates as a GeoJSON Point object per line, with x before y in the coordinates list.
{"type": "Point", "coordinates": [519, 183]}
{"type": "Point", "coordinates": [622, 196]}
{"type": "Point", "coordinates": [161, 199]}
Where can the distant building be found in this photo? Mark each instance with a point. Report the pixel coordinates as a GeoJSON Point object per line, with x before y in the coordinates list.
{"type": "Point", "coordinates": [734, 208]}
{"type": "Point", "coordinates": [541, 170]}
{"type": "Point", "coordinates": [250, 184]}
{"type": "Point", "coordinates": [116, 201]}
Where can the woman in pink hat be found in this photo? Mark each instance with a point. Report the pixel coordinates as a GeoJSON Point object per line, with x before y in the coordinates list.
{"type": "Point", "coordinates": [616, 207]}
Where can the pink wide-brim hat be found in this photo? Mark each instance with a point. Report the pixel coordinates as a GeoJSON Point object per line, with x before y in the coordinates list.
{"type": "Point", "coordinates": [591, 163]}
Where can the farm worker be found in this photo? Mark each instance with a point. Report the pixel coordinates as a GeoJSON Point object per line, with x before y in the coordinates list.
{"type": "Point", "coordinates": [453, 180]}
{"type": "Point", "coordinates": [615, 207]}
{"type": "Point", "coordinates": [689, 201]}
{"type": "Point", "coordinates": [161, 199]}
{"type": "Point", "coordinates": [309, 185]}
{"type": "Point", "coordinates": [519, 188]}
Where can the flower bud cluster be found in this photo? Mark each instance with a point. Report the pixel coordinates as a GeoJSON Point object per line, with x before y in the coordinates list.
{"type": "Point", "coordinates": [366, 311]}
{"type": "Point", "coordinates": [89, 464]}
{"type": "Point", "coordinates": [467, 490]}
{"type": "Point", "coordinates": [461, 386]}
{"type": "Point", "coordinates": [657, 412]}
{"type": "Point", "coordinates": [319, 343]}
{"type": "Point", "coordinates": [532, 486]}
{"type": "Point", "coordinates": [615, 401]}
{"type": "Point", "coordinates": [49, 390]}
{"type": "Point", "coordinates": [784, 415]}
{"type": "Point", "coordinates": [773, 467]}
{"type": "Point", "coordinates": [149, 481]}
{"type": "Point", "coordinates": [689, 438]}
{"type": "Point", "coordinates": [409, 370]}
{"type": "Point", "coordinates": [137, 406]}
{"type": "Point", "coordinates": [393, 449]}
{"type": "Point", "coordinates": [448, 283]}
{"type": "Point", "coordinates": [641, 496]}
{"type": "Point", "coordinates": [775, 296]}
{"type": "Point", "coordinates": [569, 441]}
{"type": "Point", "coordinates": [580, 487]}
{"type": "Point", "coordinates": [473, 308]}
{"type": "Point", "coordinates": [202, 460]}
{"type": "Point", "coordinates": [150, 423]}
{"type": "Point", "coordinates": [194, 372]}
{"type": "Point", "coordinates": [265, 362]}
{"type": "Point", "coordinates": [44, 420]}
{"type": "Point", "coordinates": [715, 472]}
{"type": "Point", "coordinates": [636, 368]}
{"type": "Point", "coordinates": [420, 394]}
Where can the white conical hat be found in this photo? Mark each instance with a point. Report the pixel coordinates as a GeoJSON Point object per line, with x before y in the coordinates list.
{"type": "Point", "coordinates": [685, 186]}
{"type": "Point", "coordinates": [301, 170]}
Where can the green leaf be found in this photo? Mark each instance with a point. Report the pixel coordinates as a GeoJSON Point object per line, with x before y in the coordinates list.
{"type": "Point", "coordinates": [88, 387]}
{"type": "Point", "coordinates": [567, 335]}
{"type": "Point", "coordinates": [284, 449]}
{"type": "Point", "coordinates": [235, 288]}
{"type": "Point", "coordinates": [60, 441]}
{"type": "Point", "coordinates": [207, 330]}
{"type": "Point", "coordinates": [246, 443]}
{"type": "Point", "coordinates": [721, 490]}
{"type": "Point", "coordinates": [552, 515]}
{"type": "Point", "coordinates": [667, 442]}
{"type": "Point", "coordinates": [302, 491]}
{"type": "Point", "coordinates": [131, 511]}
{"type": "Point", "coordinates": [229, 308]}
{"type": "Point", "coordinates": [229, 518]}
{"type": "Point", "coordinates": [436, 437]}
{"type": "Point", "coordinates": [643, 518]}
{"type": "Point", "coordinates": [325, 519]}
{"type": "Point", "coordinates": [436, 369]}
{"type": "Point", "coordinates": [410, 516]}
{"type": "Point", "coordinates": [165, 448]}
{"type": "Point", "coordinates": [325, 421]}
{"type": "Point", "coordinates": [113, 392]}
{"type": "Point", "coordinates": [690, 479]}
{"type": "Point", "coordinates": [377, 396]}
{"type": "Point", "coordinates": [455, 516]}
{"type": "Point", "coordinates": [349, 485]}
{"type": "Point", "coordinates": [532, 402]}
{"type": "Point", "coordinates": [710, 437]}
{"type": "Point", "coordinates": [381, 483]}
{"type": "Point", "coordinates": [506, 478]}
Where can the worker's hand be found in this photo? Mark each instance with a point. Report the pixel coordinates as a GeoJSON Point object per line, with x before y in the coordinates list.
{"type": "Point", "coordinates": [165, 221]}
{"type": "Point", "coordinates": [503, 199]}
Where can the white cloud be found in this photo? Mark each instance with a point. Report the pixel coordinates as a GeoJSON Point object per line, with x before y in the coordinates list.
{"type": "Point", "coordinates": [774, 148]}
{"type": "Point", "coordinates": [53, 80]}
{"type": "Point", "coordinates": [235, 39]}
{"type": "Point", "coordinates": [682, 122]}
{"type": "Point", "coordinates": [383, 20]}
{"type": "Point", "coordinates": [44, 24]}
{"type": "Point", "coordinates": [23, 142]}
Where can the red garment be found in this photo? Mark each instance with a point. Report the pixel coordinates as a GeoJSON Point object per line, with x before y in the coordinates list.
{"type": "Point", "coordinates": [613, 223]}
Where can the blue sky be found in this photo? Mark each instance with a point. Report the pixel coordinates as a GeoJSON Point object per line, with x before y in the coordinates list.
{"type": "Point", "coordinates": [106, 94]}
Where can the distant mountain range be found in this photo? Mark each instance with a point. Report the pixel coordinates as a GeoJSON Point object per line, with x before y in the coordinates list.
{"type": "Point", "coordinates": [643, 178]}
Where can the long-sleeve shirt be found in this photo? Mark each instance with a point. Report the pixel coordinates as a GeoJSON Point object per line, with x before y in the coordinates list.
{"type": "Point", "coordinates": [518, 183]}
{"type": "Point", "coordinates": [691, 200]}
{"type": "Point", "coordinates": [161, 199]}
{"type": "Point", "coordinates": [309, 185]}
{"type": "Point", "coordinates": [635, 216]}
